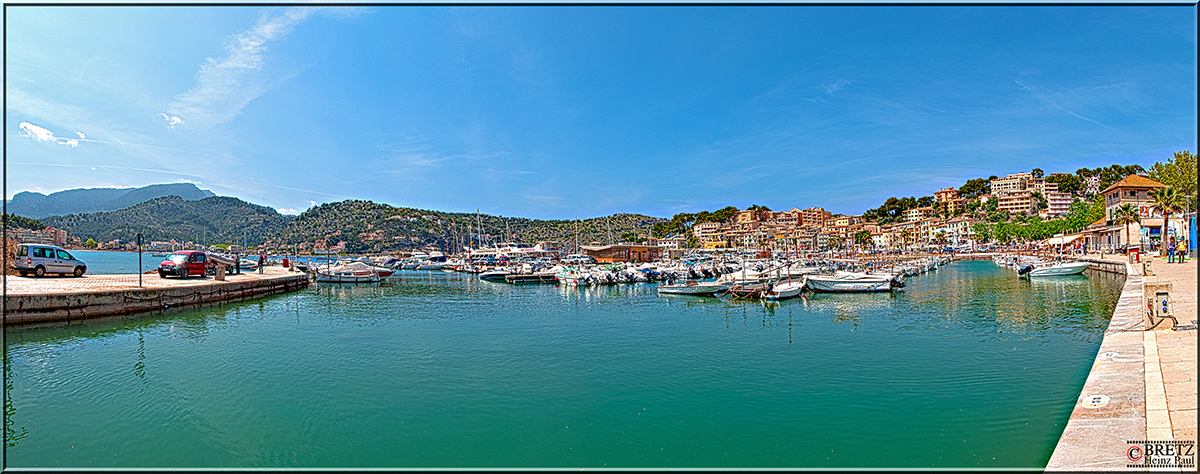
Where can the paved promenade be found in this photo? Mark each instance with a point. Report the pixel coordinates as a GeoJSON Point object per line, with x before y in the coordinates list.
{"type": "Point", "coordinates": [1171, 359]}
{"type": "Point", "coordinates": [68, 299]}
{"type": "Point", "coordinates": [19, 285]}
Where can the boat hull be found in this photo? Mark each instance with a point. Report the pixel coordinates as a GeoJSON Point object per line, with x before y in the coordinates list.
{"type": "Point", "coordinates": [694, 290]}
{"type": "Point", "coordinates": [830, 285]}
{"type": "Point", "coordinates": [1061, 270]}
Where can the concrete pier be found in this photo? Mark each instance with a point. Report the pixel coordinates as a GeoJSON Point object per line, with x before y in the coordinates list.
{"type": "Point", "coordinates": [67, 299]}
{"type": "Point", "coordinates": [1142, 386]}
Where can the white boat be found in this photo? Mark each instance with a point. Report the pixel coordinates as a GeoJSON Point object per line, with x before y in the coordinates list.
{"type": "Point", "coordinates": [496, 274]}
{"type": "Point", "coordinates": [346, 276]}
{"type": "Point", "coordinates": [693, 287]}
{"type": "Point", "coordinates": [784, 290]}
{"type": "Point", "coordinates": [1060, 269]}
{"type": "Point", "coordinates": [847, 282]}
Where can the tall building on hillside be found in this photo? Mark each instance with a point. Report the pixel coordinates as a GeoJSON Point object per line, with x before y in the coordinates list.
{"type": "Point", "coordinates": [815, 217]}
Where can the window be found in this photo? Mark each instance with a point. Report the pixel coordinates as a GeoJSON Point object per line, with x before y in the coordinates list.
{"type": "Point", "coordinates": [39, 252]}
{"type": "Point", "coordinates": [22, 251]}
{"type": "Point", "coordinates": [64, 255]}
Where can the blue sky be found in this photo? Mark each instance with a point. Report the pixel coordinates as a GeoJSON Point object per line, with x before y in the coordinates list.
{"type": "Point", "coordinates": [563, 112]}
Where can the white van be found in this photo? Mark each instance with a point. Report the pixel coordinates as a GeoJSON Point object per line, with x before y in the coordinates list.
{"type": "Point", "coordinates": [40, 259]}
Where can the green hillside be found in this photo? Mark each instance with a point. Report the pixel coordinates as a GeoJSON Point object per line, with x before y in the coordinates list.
{"type": "Point", "coordinates": [367, 226]}
{"type": "Point", "coordinates": [214, 220]}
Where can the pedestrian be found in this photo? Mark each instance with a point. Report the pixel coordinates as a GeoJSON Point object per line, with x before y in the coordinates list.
{"type": "Point", "coordinates": [262, 262]}
{"type": "Point", "coordinates": [1171, 251]}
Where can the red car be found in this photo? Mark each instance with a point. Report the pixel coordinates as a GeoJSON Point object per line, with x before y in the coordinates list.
{"type": "Point", "coordinates": [184, 263]}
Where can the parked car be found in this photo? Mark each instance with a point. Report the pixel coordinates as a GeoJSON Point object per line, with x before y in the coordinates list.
{"type": "Point", "coordinates": [183, 264]}
{"type": "Point", "coordinates": [40, 259]}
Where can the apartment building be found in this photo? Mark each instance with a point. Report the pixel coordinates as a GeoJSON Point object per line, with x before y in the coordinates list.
{"type": "Point", "coordinates": [815, 217]}
{"type": "Point", "coordinates": [917, 213]}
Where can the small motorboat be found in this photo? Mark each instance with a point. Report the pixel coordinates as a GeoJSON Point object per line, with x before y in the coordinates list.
{"type": "Point", "coordinates": [696, 288]}
{"type": "Point", "coordinates": [346, 276]}
{"type": "Point", "coordinates": [1058, 269]}
{"type": "Point", "coordinates": [784, 290]}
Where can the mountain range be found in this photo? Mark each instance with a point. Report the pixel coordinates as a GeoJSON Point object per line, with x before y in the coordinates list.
{"type": "Point", "coordinates": [83, 201]}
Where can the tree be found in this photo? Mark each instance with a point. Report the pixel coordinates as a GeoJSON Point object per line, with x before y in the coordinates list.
{"type": "Point", "coordinates": [1178, 172]}
{"type": "Point", "coordinates": [906, 237]}
{"type": "Point", "coordinates": [1166, 201]}
{"type": "Point", "coordinates": [1041, 202]}
{"type": "Point", "coordinates": [1067, 183]}
{"type": "Point", "coordinates": [91, 244]}
{"type": "Point", "coordinates": [836, 241]}
{"type": "Point", "coordinates": [863, 238]}
{"type": "Point", "coordinates": [1038, 173]}
{"type": "Point", "coordinates": [1126, 214]}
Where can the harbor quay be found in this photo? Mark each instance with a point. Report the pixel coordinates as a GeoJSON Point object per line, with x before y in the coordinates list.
{"type": "Point", "coordinates": [1140, 395]}
{"type": "Point", "coordinates": [69, 299]}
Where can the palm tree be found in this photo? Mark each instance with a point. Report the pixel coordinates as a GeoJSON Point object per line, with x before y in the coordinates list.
{"type": "Point", "coordinates": [940, 238]}
{"type": "Point", "coordinates": [835, 242]}
{"type": "Point", "coordinates": [1126, 214]}
{"type": "Point", "coordinates": [906, 237]}
{"type": "Point", "coordinates": [863, 238]}
{"type": "Point", "coordinates": [1166, 201]}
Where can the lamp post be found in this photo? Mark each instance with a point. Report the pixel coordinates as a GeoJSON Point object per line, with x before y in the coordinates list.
{"type": "Point", "coordinates": [139, 244]}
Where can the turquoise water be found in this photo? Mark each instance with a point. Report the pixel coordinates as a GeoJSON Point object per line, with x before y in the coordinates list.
{"type": "Point", "coordinates": [971, 367]}
{"type": "Point", "coordinates": [101, 262]}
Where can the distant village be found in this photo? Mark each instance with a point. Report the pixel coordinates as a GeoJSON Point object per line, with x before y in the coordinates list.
{"type": "Point", "coordinates": [947, 221]}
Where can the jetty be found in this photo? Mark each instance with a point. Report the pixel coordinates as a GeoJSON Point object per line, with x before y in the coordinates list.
{"type": "Point", "coordinates": [69, 299]}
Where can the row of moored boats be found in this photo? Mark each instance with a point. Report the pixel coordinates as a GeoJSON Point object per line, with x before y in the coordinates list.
{"type": "Point", "coordinates": [767, 279]}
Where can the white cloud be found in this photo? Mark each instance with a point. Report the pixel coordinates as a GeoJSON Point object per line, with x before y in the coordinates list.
{"type": "Point", "coordinates": [80, 135]}
{"type": "Point", "coordinates": [312, 203]}
{"type": "Point", "coordinates": [172, 120]}
{"type": "Point", "coordinates": [42, 134]}
{"type": "Point", "coordinates": [224, 86]}
{"type": "Point", "coordinates": [287, 211]}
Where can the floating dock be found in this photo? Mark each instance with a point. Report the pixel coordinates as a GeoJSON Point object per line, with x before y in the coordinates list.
{"type": "Point", "coordinates": [67, 299]}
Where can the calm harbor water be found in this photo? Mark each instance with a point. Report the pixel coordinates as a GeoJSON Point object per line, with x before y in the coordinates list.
{"type": "Point", "coordinates": [970, 367]}
{"type": "Point", "coordinates": [100, 262]}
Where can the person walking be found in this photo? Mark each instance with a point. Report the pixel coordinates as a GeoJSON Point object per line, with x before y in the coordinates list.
{"type": "Point", "coordinates": [262, 262]}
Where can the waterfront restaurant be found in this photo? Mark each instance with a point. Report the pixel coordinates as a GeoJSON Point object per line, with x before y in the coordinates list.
{"type": "Point", "coordinates": [622, 252]}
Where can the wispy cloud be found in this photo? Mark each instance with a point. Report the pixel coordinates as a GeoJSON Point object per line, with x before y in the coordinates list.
{"type": "Point", "coordinates": [836, 86]}
{"type": "Point", "coordinates": [42, 134]}
{"type": "Point", "coordinates": [224, 86]}
{"type": "Point", "coordinates": [107, 167]}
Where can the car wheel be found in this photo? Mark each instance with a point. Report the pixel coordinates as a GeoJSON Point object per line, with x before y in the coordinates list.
{"type": "Point", "coordinates": [23, 273]}
{"type": "Point", "coordinates": [78, 272]}
{"type": "Point", "coordinates": [39, 272]}
{"type": "Point", "coordinates": [162, 274]}
{"type": "Point", "coordinates": [183, 273]}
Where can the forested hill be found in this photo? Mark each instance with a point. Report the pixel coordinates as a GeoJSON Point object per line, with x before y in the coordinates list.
{"type": "Point", "coordinates": [369, 226]}
{"type": "Point", "coordinates": [214, 220]}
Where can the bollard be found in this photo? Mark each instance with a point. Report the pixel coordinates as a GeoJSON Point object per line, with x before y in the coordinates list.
{"type": "Point", "coordinates": [220, 276]}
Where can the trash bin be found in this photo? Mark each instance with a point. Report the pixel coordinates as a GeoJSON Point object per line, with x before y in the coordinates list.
{"type": "Point", "coordinates": [1135, 255]}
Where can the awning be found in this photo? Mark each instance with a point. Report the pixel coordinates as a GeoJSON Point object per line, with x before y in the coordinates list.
{"type": "Point", "coordinates": [1066, 239]}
